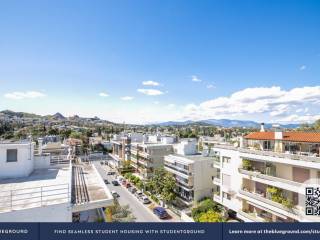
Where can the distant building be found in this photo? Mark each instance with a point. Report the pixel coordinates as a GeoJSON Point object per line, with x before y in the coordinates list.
{"type": "Point", "coordinates": [192, 172]}
{"type": "Point", "coordinates": [146, 157]}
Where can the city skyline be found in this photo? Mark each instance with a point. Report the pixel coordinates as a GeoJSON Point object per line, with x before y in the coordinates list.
{"type": "Point", "coordinates": [162, 60]}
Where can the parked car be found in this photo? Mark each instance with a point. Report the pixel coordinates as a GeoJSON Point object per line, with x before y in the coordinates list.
{"type": "Point", "coordinates": [120, 179]}
{"type": "Point", "coordinates": [106, 181]}
{"type": "Point", "coordinates": [145, 200]}
{"type": "Point", "coordinates": [160, 212]}
{"type": "Point", "coordinates": [133, 190]}
{"type": "Point", "coordinates": [124, 182]}
{"type": "Point", "coordinates": [115, 183]}
{"type": "Point", "coordinates": [128, 185]}
{"type": "Point", "coordinates": [111, 173]}
{"type": "Point", "coordinates": [115, 194]}
{"type": "Point", "coordinates": [138, 194]}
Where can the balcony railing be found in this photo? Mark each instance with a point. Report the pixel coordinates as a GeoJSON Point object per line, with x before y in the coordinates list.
{"type": "Point", "coordinates": [34, 197]}
{"type": "Point", "coordinates": [268, 201]}
{"type": "Point", "coordinates": [216, 180]}
{"type": "Point", "coordinates": [269, 177]}
{"type": "Point", "coordinates": [252, 216]}
{"type": "Point", "coordinates": [280, 155]}
{"type": "Point", "coordinates": [177, 169]}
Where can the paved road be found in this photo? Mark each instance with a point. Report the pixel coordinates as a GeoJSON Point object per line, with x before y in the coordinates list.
{"type": "Point", "coordinates": [139, 210]}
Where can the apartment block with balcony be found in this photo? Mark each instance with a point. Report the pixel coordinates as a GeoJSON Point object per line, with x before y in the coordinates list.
{"type": "Point", "coordinates": [193, 172]}
{"type": "Point", "coordinates": [273, 170]}
{"type": "Point", "coordinates": [146, 157]}
{"type": "Point", "coordinates": [120, 150]}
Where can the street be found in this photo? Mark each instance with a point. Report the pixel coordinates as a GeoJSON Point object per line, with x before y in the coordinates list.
{"type": "Point", "coordinates": [139, 210]}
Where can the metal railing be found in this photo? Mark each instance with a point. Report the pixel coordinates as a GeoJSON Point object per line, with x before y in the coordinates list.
{"type": "Point", "coordinates": [60, 159]}
{"type": "Point", "coordinates": [34, 197]}
{"type": "Point", "coordinates": [253, 195]}
{"type": "Point", "coordinates": [269, 177]}
{"type": "Point", "coordinates": [177, 169]}
{"type": "Point", "coordinates": [280, 155]}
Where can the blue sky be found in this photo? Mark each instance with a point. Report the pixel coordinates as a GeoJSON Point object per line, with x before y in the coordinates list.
{"type": "Point", "coordinates": [256, 60]}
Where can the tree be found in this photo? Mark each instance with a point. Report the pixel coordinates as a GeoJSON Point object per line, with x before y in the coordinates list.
{"type": "Point", "coordinates": [205, 206]}
{"type": "Point", "coordinates": [76, 135]}
{"type": "Point", "coordinates": [162, 183]}
{"type": "Point", "coordinates": [210, 216]}
{"type": "Point", "coordinates": [317, 124]}
{"type": "Point", "coordinates": [169, 184]}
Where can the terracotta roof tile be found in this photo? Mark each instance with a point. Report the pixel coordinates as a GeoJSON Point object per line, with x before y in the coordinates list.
{"type": "Point", "coordinates": [312, 137]}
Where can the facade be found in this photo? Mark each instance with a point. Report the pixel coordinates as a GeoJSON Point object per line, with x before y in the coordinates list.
{"type": "Point", "coordinates": [192, 172]}
{"type": "Point", "coordinates": [120, 150]}
{"type": "Point", "coordinates": [265, 179]}
{"type": "Point", "coordinates": [146, 157]}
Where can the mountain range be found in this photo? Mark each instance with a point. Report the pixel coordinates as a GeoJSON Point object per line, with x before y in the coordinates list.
{"type": "Point", "coordinates": [225, 123]}
{"type": "Point", "coordinates": [213, 122]}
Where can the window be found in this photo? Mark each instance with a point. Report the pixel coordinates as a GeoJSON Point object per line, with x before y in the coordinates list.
{"type": "Point", "coordinates": [226, 159]}
{"type": "Point", "coordinates": [12, 155]}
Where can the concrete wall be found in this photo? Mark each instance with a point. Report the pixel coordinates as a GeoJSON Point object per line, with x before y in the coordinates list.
{"type": "Point", "coordinates": [41, 161]}
{"type": "Point", "coordinates": [231, 169]}
{"type": "Point", "coordinates": [203, 172]}
{"type": "Point", "coordinates": [25, 164]}
{"type": "Point", "coordinates": [51, 213]}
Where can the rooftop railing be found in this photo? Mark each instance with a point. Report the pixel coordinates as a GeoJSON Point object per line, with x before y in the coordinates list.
{"type": "Point", "coordinates": [281, 155]}
{"type": "Point", "coordinates": [34, 197]}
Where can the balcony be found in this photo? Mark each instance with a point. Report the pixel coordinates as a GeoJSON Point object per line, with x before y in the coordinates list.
{"type": "Point", "coordinates": [216, 163]}
{"type": "Point", "coordinates": [272, 180]}
{"type": "Point", "coordinates": [175, 169]}
{"type": "Point", "coordinates": [250, 196]}
{"type": "Point", "coordinates": [251, 217]}
{"type": "Point", "coordinates": [297, 156]}
{"type": "Point", "coordinates": [216, 180]}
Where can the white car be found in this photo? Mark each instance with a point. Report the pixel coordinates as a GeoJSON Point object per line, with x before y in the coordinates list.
{"type": "Point", "coordinates": [145, 200]}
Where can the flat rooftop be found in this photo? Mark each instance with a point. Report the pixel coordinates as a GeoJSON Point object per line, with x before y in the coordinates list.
{"type": "Point", "coordinates": [88, 186]}
{"type": "Point", "coordinates": [191, 158]}
{"type": "Point", "coordinates": [42, 187]}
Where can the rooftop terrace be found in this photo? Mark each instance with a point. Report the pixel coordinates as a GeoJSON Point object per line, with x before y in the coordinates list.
{"type": "Point", "coordinates": [42, 187]}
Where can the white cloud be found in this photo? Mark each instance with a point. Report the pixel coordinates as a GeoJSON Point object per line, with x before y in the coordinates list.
{"type": "Point", "coordinates": [103, 94]}
{"type": "Point", "coordinates": [303, 67]}
{"type": "Point", "coordinates": [170, 106]}
{"type": "Point", "coordinates": [156, 102]}
{"type": "Point", "coordinates": [127, 98]}
{"type": "Point", "coordinates": [195, 78]}
{"type": "Point", "coordinates": [150, 83]}
{"type": "Point", "coordinates": [150, 92]}
{"type": "Point", "coordinates": [272, 103]}
{"type": "Point", "coordinates": [210, 86]}
{"type": "Point", "coordinates": [299, 119]}
{"type": "Point", "coordinates": [24, 95]}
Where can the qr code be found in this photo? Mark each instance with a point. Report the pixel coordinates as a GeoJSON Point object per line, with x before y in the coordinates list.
{"type": "Point", "coordinates": [313, 201]}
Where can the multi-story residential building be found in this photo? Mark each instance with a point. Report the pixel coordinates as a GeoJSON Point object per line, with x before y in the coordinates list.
{"type": "Point", "coordinates": [146, 157]}
{"type": "Point", "coordinates": [36, 189]}
{"type": "Point", "coordinates": [53, 146]}
{"type": "Point", "coordinates": [265, 179]}
{"type": "Point", "coordinates": [192, 172]}
{"type": "Point", "coordinates": [120, 150]}
{"type": "Point", "coordinates": [206, 142]}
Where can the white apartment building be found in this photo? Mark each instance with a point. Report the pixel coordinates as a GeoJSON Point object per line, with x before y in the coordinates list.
{"type": "Point", "coordinates": [33, 188]}
{"type": "Point", "coordinates": [146, 157]}
{"type": "Point", "coordinates": [120, 151]}
{"type": "Point", "coordinates": [192, 172]}
{"type": "Point", "coordinates": [265, 179]}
